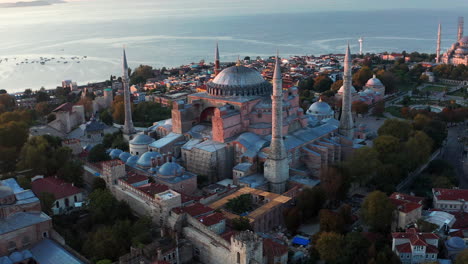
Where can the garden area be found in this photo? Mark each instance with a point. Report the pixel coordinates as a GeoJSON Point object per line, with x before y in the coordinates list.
{"type": "Point", "coordinates": [435, 88]}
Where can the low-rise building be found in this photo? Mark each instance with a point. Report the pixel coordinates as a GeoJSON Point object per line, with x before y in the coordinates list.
{"type": "Point", "coordinates": [67, 195]}
{"type": "Point", "coordinates": [413, 247]}
{"type": "Point", "coordinates": [450, 200]}
{"type": "Point", "coordinates": [408, 209]}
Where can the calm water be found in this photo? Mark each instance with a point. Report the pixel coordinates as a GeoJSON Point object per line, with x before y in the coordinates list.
{"type": "Point", "coordinates": [165, 35]}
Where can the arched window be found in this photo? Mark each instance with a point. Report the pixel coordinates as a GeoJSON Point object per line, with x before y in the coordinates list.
{"type": "Point", "coordinates": [238, 258]}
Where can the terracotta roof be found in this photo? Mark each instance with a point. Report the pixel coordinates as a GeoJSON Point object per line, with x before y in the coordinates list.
{"type": "Point", "coordinates": [153, 188]}
{"type": "Point", "coordinates": [405, 206]}
{"type": "Point", "coordinates": [58, 187]}
{"type": "Point", "coordinates": [211, 219]}
{"type": "Point", "coordinates": [407, 197]}
{"type": "Point", "coordinates": [417, 241]}
{"type": "Point", "coordinates": [135, 178]}
{"type": "Point", "coordinates": [272, 248]}
{"type": "Point", "coordinates": [461, 220]}
{"type": "Point", "coordinates": [450, 194]}
{"type": "Point", "coordinates": [458, 233]}
{"type": "Point", "coordinates": [67, 107]}
{"type": "Point", "coordinates": [404, 248]}
{"type": "Point", "coordinates": [196, 209]}
{"type": "Point", "coordinates": [227, 235]}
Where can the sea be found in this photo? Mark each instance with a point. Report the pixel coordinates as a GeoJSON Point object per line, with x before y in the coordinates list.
{"type": "Point", "coordinates": [83, 40]}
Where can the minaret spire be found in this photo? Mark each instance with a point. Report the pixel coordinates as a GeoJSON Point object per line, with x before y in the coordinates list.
{"type": "Point", "coordinates": [216, 67]}
{"type": "Point", "coordinates": [361, 40]}
{"type": "Point", "coordinates": [276, 168]}
{"type": "Point", "coordinates": [128, 128]}
{"type": "Point", "coordinates": [439, 38]}
{"type": "Point", "coordinates": [460, 28]}
{"type": "Point", "coordinates": [346, 122]}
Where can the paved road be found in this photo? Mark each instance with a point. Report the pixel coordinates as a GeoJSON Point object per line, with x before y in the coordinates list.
{"type": "Point", "coordinates": [453, 153]}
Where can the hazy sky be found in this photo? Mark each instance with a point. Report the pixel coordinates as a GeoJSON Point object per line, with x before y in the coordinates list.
{"type": "Point", "coordinates": [261, 6]}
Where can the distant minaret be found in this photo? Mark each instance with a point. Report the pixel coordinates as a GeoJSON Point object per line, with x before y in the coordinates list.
{"type": "Point", "coordinates": [128, 128]}
{"type": "Point", "coordinates": [439, 38]}
{"type": "Point", "coordinates": [460, 28]}
{"type": "Point", "coordinates": [276, 168]}
{"type": "Point", "coordinates": [360, 45]}
{"type": "Point", "coordinates": [216, 67]}
{"type": "Point", "coordinates": [346, 122]}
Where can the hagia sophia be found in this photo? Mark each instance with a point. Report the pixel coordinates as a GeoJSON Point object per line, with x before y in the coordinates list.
{"type": "Point", "coordinates": [246, 129]}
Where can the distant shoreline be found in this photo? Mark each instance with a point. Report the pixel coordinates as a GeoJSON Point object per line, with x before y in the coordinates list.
{"type": "Point", "coordinates": [31, 4]}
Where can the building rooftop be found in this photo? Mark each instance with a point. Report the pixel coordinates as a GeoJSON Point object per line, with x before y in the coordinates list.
{"type": "Point", "coordinates": [58, 187]}
{"type": "Point", "coordinates": [450, 194]}
{"type": "Point", "coordinates": [49, 252]}
{"type": "Point", "coordinates": [21, 220]}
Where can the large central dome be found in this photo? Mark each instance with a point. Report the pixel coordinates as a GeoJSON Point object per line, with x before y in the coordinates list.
{"type": "Point", "coordinates": [239, 81]}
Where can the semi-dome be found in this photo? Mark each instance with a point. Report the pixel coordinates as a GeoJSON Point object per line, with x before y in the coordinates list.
{"type": "Point", "coordinates": [239, 81]}
{"type": "Point", "coordinates": [115, 153]}
{"type": "Point", "coordinates": [132, 161]}
{"type": "Point", "coordinates": [142, 139]}
{"type": "Point", "coordinates": [145, 159]}
{"type": "Point", "coordinates": [124, 156]}
{"type": "Point", "coordinates": [5, 191]}
{"type": "Point", "coordinates": [464, 40]}
{"type": "Point", "coordinates": [16, 257]}
{"type": "Point", "coordinates": [319, 108]}
{"type": "Point", "coordinates": [170, 169]}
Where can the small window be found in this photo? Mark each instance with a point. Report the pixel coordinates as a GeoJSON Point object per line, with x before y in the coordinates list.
{"type": "Point", "coordinates": [75, 199]}
{"type": "Point", "coordinates": [57, 204]}
{"type": "Point", "coordinates": [45, 235]}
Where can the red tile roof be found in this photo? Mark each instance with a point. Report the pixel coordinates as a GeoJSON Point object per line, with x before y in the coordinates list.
{"type": "Point", "coordinates": [450, 194]}
{"type": "Point", "coordinates": [153, 188]}
{"type": "Point", "coordinates": [405, 206]}
{"type": "Point", "coordinates": [211, 219]}
{"type": "Point", "coordinates": [404, 248]}
{"type": "Point", "coordinates": [227, 235]}
{"type": "Point", "coordinates": [274, 249]}
{"type": "Point", "coordinates": [135, 179]}
{"type": "Point", "coordinates": [58, 187]}
{"type": "Point", "coordinates": [196, 209]}
{"type": "Point", "coordinates": [431, 249]}
{"type": "Point", "coordinates": [407, 197]}
{"type": "Point", "coordinates": [458, 233]}
{"type": "Point", "coordinates": [461, 220]}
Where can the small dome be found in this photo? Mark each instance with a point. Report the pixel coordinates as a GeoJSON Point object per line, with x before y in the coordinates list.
{"type": "Point", "coordinates": [5, 260]}
{"type": "Point", "coordinates": [16, 257]}
{"type": "Point", "coordinates": [239, 81]}
{"type": "Point", "coordinates": [145, 159]}
{"type": "Point", "coordinates": [373, 82]}
{"type": "Point", "coordinates": [142, 139]}
{"type": "Point", "coordinates": [5, 191]}
{"type": "Point", "coordinates": [319, 108]}
{"type": "Point", "coordinates": [124, 156]}
{"type": "Point", "coordinates": [464, 40]}
{"type": "Point", "coordinates": [456, 243]}
{"type": "Point", "coordinates": [26, 254]}
{"type": "Point", "coordinates": [132, 161]}
{"type": "Point", "coordinates": [115, 153]}
{"type": "Point", "coordinates": [368, 91]}
{"type": "Point", "coordinates": [341, 90]}
{"type": "Point", "coordinates": [170, 169]}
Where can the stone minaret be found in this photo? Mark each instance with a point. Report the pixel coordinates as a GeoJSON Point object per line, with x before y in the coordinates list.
{"type": "Point", "coordinates": [460, 28]}
{"type": "Point", "coordinates": [128, 128]}
{"type": "Point", "coordinates": [216, 67]}
{"type": "Point", "coordinates": [360, 45]}
{"type": "Point", "coordinates": [276, 169]}
{"type": "Point", "coordinates": [346, 122]}
{"type": "Point", "coordinates": [439, 38]}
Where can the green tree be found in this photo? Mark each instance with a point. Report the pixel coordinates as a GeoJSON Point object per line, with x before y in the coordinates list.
{"type": "Point", "coordinates": [306, 84]}
{"type": "Point", "coordinates": [7, 103]}
{"type": "Point", "coordinates": [362, 76]}
{"type": "Point", "coordinates": [420, 146]}
{"type": "Point", "coordinates": [118, 112]}
{"type": "Point", "coordinates": [292, 219]}
{"type": "Point", "coordinates": [104, 261]}
{"type": "Point", "coordinates": [360, 107]}
{"type": "Point", "coordinates": [336, 85]}
{"type": "Point", "coordinates": [141, 74]}
{"type": "Point", "coordinates": [437, 131]}
{"type": "Point", "coordinates": [106, 117]}
{"type": "Point", "coordinates": [397, 128]}
{"type": "Point", "coordinates": [331, 221]}
{"type": "Point", "coordinates": [377, 211]}
{"type": "Point", "coordinates": [47, 200]}
{"type": "Point", "coordinates": [33, 156]}
{"type": "Point", "coordinates": [387, 147]}
{"type": "Point", "coordinates": [362, 165]}
{"type": "Point", "coordinates": [241, 223]}
{"type": "Point", "coordinates": [98, 153]}
{"type": "Point", "coordinates": [322, 83]}
{"type": "Point", "coordinates": [240, 204]}
{"type": "Point", "coordinates": [72, 171]}
{"type": "Point", "coordinates": [329, 246]}
{"type": "Point", "coordinates": [310, 201]}
{"type": "Point", "coordinates": [354, 250]}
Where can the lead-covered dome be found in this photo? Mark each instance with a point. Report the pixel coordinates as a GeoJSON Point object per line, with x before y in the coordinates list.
{"type": "Point", "coordinates": [373, 82]}
{"type": "Point", "coordinates": [239, 81]}
{"type": "Point", "coordinates": [170, 169]}
{"type": "Point", "coordinates": [464, 41]}
{"type": "Point", "coordinates": [5, 191]}
{"type": "Point", "coordinates": [142, 139]}
{"type": "Point", "coordinates": [319, 107]}
{"type": "Point", "coordinates": [145, 160]}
